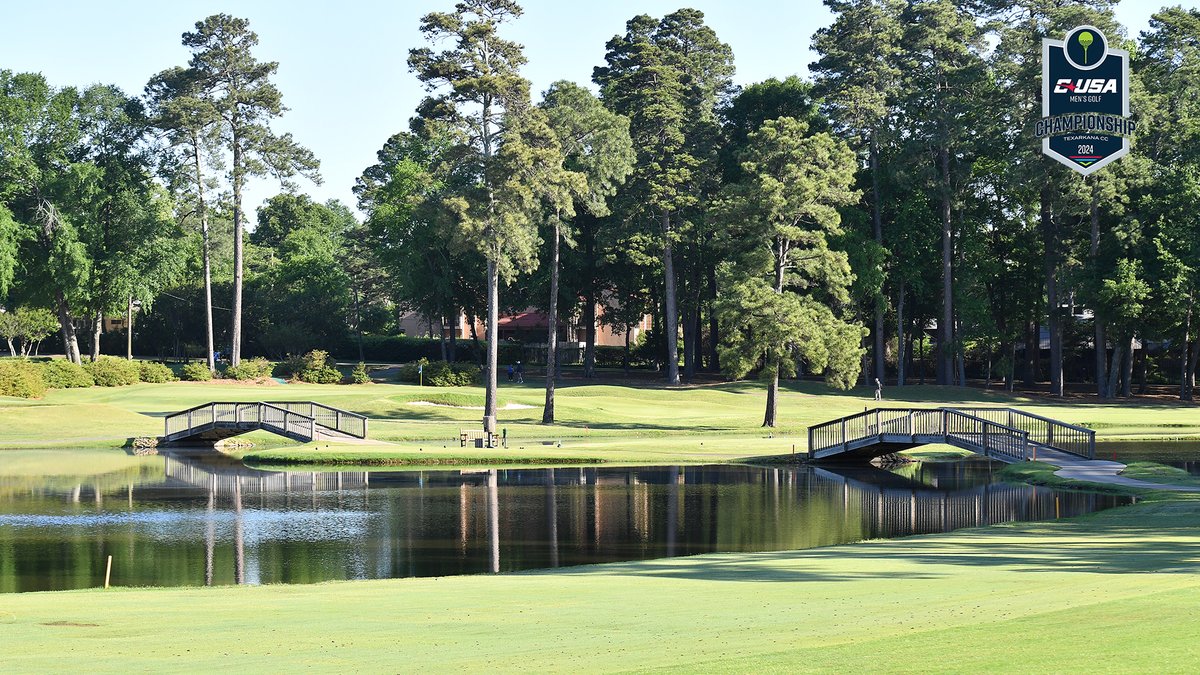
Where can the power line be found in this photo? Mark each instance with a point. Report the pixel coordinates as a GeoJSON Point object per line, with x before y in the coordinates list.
{"type": "Point", "coordinates": [189, 301]}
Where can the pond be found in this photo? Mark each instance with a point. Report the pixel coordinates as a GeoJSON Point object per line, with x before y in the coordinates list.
{"type": "Point", "coordinates": [186, 521]}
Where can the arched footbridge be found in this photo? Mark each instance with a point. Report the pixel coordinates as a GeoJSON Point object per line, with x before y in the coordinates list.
{"type": "Point", "coordinates": [1005, 434]}
{"type": "Point", "coordinates": [298, 420]}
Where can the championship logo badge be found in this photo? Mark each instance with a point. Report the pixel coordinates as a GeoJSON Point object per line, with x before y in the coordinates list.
{"type": "Point", "coordinates": [1085, 101]}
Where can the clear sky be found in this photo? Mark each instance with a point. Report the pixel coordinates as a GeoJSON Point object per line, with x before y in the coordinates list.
{"type": "Point", "coordinates": [342, 64]}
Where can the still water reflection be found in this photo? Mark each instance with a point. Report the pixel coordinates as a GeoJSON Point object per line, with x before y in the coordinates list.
{"type": "Point", "coordinates": [199, 521]}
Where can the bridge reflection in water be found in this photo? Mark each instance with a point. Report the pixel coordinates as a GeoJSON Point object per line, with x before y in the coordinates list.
{"type": "Point", "coordinates": [201, 521]}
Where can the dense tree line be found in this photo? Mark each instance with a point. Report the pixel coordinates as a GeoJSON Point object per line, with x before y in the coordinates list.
{"type": "Point", "coordinates": [893, 212]}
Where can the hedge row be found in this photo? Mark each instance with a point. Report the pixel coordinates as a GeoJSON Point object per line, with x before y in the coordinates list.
{"type": "Point", "coordinates": [30, 379]}
{"type": "Point", "coordinates": [439, 373]}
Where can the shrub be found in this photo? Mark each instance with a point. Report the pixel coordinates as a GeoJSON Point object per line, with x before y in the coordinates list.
{"type": "Point", "coordinates": [360, 376]}
{"type": "Point", "coordinates": [21, 378]}
{"type": "Point", "coordinates": [256, 368]}
{"type": "Point", "coordinates": [109, 371]}
{"type": "Point", "coordinates": [197, 371]}
{"type": "Point", "coordinates": [149, 371]}
{"type": "Point", "coordinates": [62, 374]}
{"type": "Point", "coordinates": [289, 367]}
{"type": "Point", "coordinates": [317, 369]}
{"type": "Point", "coordinates": [440, 373]}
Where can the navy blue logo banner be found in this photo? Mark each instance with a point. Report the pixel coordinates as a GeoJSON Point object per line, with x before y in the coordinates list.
{"type": "Point", "coordinates": [1085, 101]}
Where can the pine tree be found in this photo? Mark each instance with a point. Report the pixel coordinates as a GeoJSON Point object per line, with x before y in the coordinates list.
{"type": "Point", "coordinates": [667, 77]}
{"type": "Point", "coordinates": [858, 79]}
{"type": "Point", "coordinates": [237, 86]}
{"type": "Point", "coordinates": [507, 154]}
{"type": "Point", "coordinates": [780, 218]}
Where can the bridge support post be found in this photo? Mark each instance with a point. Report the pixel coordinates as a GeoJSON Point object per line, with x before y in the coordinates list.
{"type": "Point", "coordinates": [843, 434]}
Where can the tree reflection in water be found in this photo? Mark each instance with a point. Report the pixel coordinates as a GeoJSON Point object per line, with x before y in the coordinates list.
{"type": "Point", "coordinates": [204, 520]}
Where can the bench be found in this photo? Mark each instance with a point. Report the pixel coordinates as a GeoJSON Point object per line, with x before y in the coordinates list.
{"type": "Point", "coordinates": [478, 437]}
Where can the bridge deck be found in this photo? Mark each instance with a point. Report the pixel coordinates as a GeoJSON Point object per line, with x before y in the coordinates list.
{"type": "Point", "coordinates": [1006, 434]}
{"type": "Point", "coordinates": [303, 421]}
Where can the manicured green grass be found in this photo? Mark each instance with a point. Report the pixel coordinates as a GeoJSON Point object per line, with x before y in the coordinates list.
{"type": "Point", "coordinates": [1158, 473]}
{"type": "Point", "coordinates": [681, 449]}
{"type": "Point", "coordinates": [1041, 473]}
{"type": "Point", "coordinates": [1115, 591]}
{"type": "Point", "coordinates": [1111, 592]}
{"type": "Point", "coordinates": [611, 422]}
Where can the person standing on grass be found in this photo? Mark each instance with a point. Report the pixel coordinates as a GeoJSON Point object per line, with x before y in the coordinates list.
{"type": "Point", "coordinates": [878, 390]}
{"type": "Point", "coordinates": [520, 373]}
{"type": "Point", "coordinates": [510, 372]}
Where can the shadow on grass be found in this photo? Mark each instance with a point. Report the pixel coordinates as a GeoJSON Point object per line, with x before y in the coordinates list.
{"type": "Point", "coordinates": [1159, 536]}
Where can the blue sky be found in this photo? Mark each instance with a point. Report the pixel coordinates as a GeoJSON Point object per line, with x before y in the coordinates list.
{"type": "Point", "coordinates": [342, 65]}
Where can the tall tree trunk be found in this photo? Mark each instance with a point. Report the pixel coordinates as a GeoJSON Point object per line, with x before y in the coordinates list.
{"type": "Point", "coordinates": [1114, 373]}
{"type": "Point", "coordinates": [671, 317]}
{"type": "Point", "coordinates": [97, 329]}
{"type": "Point", "coordinates": [1032, 348]}
{"type": "Point", "coordinates": [1143, 367]}
{"type": "Point", "coordinates": [1101, 345]}
{"type": "Point", "coordinates": [206, 254]}
{"type": "Point", "coordinates": [1127, 366]}
{"type": "Point", "coordinates": [1053, 317]}
{"type": "Point", "coordinates": [773, 386]}
{"type": "Point", "coordinates": [441, 339]}
{"type": "Point", "coordinates": [552, 336]}
{"type": "Point", "coordinates": [689, 342]}
{"type": "Point", "coordinates": [589, 333]}
{"type": "Point", "coordinates": [772, 399]}
{"type": "Point", "coordinates": [946, 341]}
{"type": "Point", "coordinates": [1185, 387]}
{"type": "Point", "coordinates": [960, 358]}
{"type": "Point", "coordinates": [1010, 382]}
{"type": "Point", "coordinates": [921, 359]}
{"type": "Point", "coordinates": [358, 324]}
{"type": "Point", "coordinates": [493, 291]}
{"type": "Point", "coordinates": [877, 220]}
{"type": "Point", "coordinates": [12, 350]}
{"type": "Point", "coordinates": [901, 336]}
{"type": "Point", "coordinates": [1192, 362]}
{"type": "Point", "coordinates": [454, 335]}
{"type": "Point", "coordinates": [235, 329]}
{"type": "Point", "coordinates": [625, 355]}
{"type": "Point", "coordinates": [129, 330]}
{"type": "Point", "coordinates": [493, 345]}
{"type": "Point", "coordinates": [714, 331]}
{"type": "Point", "coordinates": [910, 364]}
{"type": "Point", "coordinates": [66, 328]}
{"type": "Point", "coordinates": [588, 236]}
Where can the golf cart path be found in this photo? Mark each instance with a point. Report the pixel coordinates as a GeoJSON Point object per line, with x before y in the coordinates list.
{"type": "Point", "coordinates": [1101, 471]}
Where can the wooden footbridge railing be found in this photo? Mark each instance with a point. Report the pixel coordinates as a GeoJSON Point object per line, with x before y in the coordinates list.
{"type": "Point", "coordinates": [299, 420]}
{"type": "Point", "coordinates": [1006, 434]}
